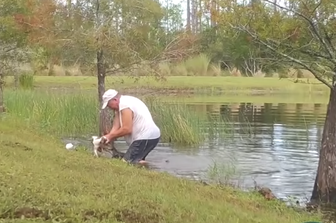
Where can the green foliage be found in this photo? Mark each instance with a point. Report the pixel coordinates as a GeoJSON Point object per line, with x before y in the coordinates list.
{"type": "Point", "coordinates": [12, 40]}
{"type": "Point", "coordinates": [39, 59]}
{"type": "Point", "coordinates": [198, 65]}
{"type": "Point", "coordinates": [295, 35]}
{"type": "Point", "coordinates": [10, 34]}
{"type": "Point", "coordinates": [231, 51]}
{"type": "Point", "coordinates": [172, 22]}
{"type": "Point", "coordinates": [131, 32]}
{"type": "Point", "coordinates": [126, 30]}
{"type": "Point", "coordinates": [26, 81]}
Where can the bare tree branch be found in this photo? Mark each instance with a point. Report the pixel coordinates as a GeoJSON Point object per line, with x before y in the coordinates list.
{"type": "Point", "coordinates": [314, 30]}
{"type": "Point", "coordinates": [301, 49]}
{"type": "Point", "coordinates": [272, 48]}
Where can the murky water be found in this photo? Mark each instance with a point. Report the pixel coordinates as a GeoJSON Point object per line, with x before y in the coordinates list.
{"type": "Point", "coordinates": [275, 145]}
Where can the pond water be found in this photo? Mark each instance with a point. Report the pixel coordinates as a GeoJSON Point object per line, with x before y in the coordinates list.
{"type": "Point", "coordinates": [274, 145]}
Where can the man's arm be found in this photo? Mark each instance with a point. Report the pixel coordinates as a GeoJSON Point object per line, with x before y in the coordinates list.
{"type": "Point", "coordinates": [126, 128]}
{"type": "Point", "coordinates": [116, 122]}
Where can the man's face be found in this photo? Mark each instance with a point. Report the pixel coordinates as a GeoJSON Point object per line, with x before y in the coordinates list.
{"type": "Point", "coordinates": [113, 104]}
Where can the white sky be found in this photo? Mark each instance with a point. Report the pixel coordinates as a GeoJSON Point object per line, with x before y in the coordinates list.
{"type": "Point", "coordinates": [184, 6]}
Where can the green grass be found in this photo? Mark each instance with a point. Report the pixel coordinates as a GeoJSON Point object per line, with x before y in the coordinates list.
{"type": "Point", "coordinates": [26, 81]}
{"type": "Point", "coordinates": [177, 123]}
{"type": "Point", "coordinates": [242, 85]}
{"type": "Point", "coordinates": [71, 186]}
{"type": "Point", "coordinates": [76, 114]}
{"type": "Point", "coordinates": [61, 114]}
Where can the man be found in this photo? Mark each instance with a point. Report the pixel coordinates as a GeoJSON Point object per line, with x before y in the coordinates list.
{"type": "Point", "coordinates": [133, 120]}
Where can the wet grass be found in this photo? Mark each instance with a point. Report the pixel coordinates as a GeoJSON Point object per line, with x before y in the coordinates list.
{"type": "Point", "coordinates": [242, 85]}
{"type": "Point", "coordinates": [43, 182]}
{"type": "Point", "coordinates": [76, 114]}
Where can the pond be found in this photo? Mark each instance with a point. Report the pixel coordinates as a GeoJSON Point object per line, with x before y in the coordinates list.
{"type": "Point", "coordinates": [274, 145]}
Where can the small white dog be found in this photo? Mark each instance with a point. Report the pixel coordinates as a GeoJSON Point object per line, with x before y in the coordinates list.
{"type": "Point", "coordinates": [96, 145]}
{"type": "Point", "coordinates": [99, 145]}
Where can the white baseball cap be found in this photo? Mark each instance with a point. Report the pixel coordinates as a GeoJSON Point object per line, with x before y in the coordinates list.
{"type": "Point", "coordinates": [108, 95]}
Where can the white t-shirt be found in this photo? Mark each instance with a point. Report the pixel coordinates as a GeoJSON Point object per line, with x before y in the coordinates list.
{"type": "Point", "coordinates": [144, 126]}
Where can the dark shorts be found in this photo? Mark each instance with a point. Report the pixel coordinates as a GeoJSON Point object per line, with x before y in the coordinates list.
{"type": "Point", "coordinates": [139, 149]}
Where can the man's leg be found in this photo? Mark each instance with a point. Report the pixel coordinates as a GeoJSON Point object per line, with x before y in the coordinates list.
{"type": "Point", "coordinates": [139, 149]}
{"type": "Point", "coordinates": [152, 143]}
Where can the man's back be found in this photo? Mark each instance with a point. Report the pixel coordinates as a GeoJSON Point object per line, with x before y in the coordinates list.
{"type": "Point", "coordinates": [144, 126]}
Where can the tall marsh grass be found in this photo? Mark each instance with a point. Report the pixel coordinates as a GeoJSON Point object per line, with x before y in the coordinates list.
{"type": "Point", "coordinates": [198, 65]}
{"type": "Point", "coordinates": [58, 113]}
{"type": "Point", "coordinates": [76, 115]}
{"type": "Point", "coordinates": [26, 81]}
{"type": "Point", "coordinates": [178, 123]}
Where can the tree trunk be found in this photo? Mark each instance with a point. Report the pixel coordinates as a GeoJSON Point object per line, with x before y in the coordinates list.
{"type": "Point", "coordinates": [2, 108]}
{"type": "Point", "coordinates": [105, 123]}
{"type": "Point", "coordinates": [188, 16]}
{"type": "Point", "coordinates": [325, 183]}
{"type": "Point", "coordinates": [194, 16]}
{"type": "Point", "coordinates": [213, 9]}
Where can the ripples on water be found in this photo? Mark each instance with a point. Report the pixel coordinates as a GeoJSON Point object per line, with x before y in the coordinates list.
{"type": "Point", "coordinates": [275, 145]}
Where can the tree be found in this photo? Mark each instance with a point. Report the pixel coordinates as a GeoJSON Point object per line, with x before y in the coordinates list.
{"type": "Point", "coordinates": [302, 36]}
{"type": "Point", "coordinates": [127, 44]}
{"type": "Point", "coordinates": [231, 49]}
{"type": "Point", "coordinates": [11, 40]}
{"type": "Point", "coordinates": [106, 36]}
{"type": "Point", "coordinates": [134, 42]}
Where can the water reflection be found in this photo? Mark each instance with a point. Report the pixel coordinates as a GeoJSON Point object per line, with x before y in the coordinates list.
{"type": "Point", "coordinates": [274, 144]}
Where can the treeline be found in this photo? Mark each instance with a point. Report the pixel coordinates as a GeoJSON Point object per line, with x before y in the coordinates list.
{"type": "Point", "coordinates": [46, 36]}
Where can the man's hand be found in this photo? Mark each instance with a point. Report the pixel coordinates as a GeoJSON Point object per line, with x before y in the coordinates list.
{"type": "Point", "coordinates": [106, 138]}
{"type": "Point", "coordinates": [127, 120]}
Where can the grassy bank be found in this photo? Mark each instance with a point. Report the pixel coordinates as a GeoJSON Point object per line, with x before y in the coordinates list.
{"type": "Point", "coordinates": [40, 178]}
{"type": "Point", "coordinates": [242, 85]}
{"type": "Point", "coordinates": [76, 114]}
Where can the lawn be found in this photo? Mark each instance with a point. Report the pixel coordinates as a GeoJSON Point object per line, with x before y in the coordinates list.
{"type": "Point", "coordinates": [205, 83]}
{"type": "Point", "coordinates": [42, 180]}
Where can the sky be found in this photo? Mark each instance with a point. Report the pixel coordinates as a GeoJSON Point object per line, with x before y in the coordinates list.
{"type": "Point", "coordinates": [184, 6]}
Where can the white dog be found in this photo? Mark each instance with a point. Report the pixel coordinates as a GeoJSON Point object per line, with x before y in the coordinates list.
{"type": "Point", "coordinates": [99, 145]}
{"type": "Point", "coordinates": [96, 145]}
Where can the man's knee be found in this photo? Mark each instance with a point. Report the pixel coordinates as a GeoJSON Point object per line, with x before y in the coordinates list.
{"type": "Point", "coordinates": [151, 144]}
{"type": "Point", "coordinates": [134, 153]}
{"type": "Point", "coordinates": [139, 149]}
